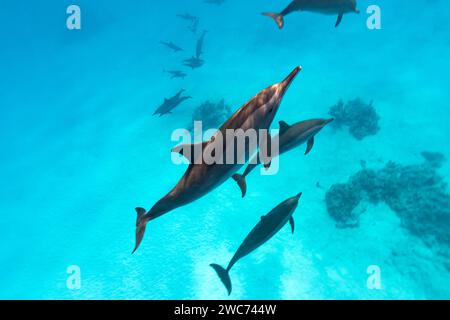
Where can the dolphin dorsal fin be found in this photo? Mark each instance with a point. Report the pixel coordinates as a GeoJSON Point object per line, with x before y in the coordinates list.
{"type": "Point", "coordinates": [188, 150]}
{"type": "Point", "coordinates": [283, 127]}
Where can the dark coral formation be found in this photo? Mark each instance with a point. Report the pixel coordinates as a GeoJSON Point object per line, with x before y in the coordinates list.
{"type": "Point", "coordinates": [212, 114]}
{"type": "Point", "coordinates": [416, 193]}
{"type": "Point", "coordinates": [360, 118]}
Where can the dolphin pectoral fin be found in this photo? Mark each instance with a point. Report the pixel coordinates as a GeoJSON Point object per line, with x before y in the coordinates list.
{"type": "Point", "coordinates": [339, 19]}
{"type": "Point", "coordinates": [277, 17]}
{"type": "Point", "coordinates": [240, 179]}
{"type": "Point", "coordinates": [223, 275]}
{"type": "Point", "coordinates": [309, 146]}
{"type": "Point", "coordinates": [141, 224]}
{"type": "Point", "coordinates": [283, 127]}
{"type": "Point", "coordinates": [291, 222]}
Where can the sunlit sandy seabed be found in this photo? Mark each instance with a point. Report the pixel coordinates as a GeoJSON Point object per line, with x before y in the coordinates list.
{"type": "Point", "coordinates": [80, 148]}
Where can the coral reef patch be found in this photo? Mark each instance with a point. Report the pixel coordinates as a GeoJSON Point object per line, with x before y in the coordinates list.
{"type": "Point", "coordinates": [212, 114]}
{"type": "Point", "coordinates": [360, 118]}
{"type": "Point", "coordinates": [416, 193]}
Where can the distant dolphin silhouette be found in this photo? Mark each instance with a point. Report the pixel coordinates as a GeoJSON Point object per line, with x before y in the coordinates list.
{"type": "Point", "coordinates": [172, 46]}
{"type": "Point", "coordinates": [261, 233]}
{"type": "Point", "coordinates": [330, 7]}
{"type": "Point", "coordinates": [170, 104]}
{"type": "Point", "coordinates": [290, 137]}
{"type": "Point", "coordinates": [200, 179]}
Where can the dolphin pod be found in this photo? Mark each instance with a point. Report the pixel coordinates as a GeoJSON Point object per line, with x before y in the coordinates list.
{"type": "Point", "coordinates": [201, 178]}
{"type": "Point", "coordinates": [267, 227]}
{"type": "Point", "coordinates": [329, 7]}
{"type": "Point", "coordinates": [290, 137]}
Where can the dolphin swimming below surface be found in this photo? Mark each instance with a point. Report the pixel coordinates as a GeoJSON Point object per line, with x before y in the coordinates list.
{"type": "Point", "coordinates": [171, 103]}
{"type": "Point", "coordinates": [329, 7]}
{"type": "Point", "coordinates": [196, 61]}
{"type": "Point", "coordinates": [290, 137]}
{"type": "Point", "coordinates": [193, 63]}
{"type": "Point", "coordinates": [202, 178]}
{"type": "Point", "coordinates": [171, 46]}
{"type": "Point", "coordinates": [176, 74]}
{"type": "Point", "coordinates": [267, 227]}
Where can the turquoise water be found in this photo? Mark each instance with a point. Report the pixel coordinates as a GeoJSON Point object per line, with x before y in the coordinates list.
{"type": "Point", "coordinates": [80, 149]}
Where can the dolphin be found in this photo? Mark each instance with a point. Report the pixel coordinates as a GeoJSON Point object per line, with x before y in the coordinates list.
{"type": "Point", "coordinates": [187, 16]}
{"type": "Point", "coordinates": [329, 7]}
{"type": "Point", "coordinates": [199, 47]}
{"type": "Point", "coordinates": [196, 61]}
{"type": "Point", "coordinates": [172, 46]}
{"type": "Point", "coordinates": [194, 26]}
{"type": "Point", "coordinates": [171, 103]}
{"type": "Point", "coordinates": [193, 62]}
{"type": "Point", "coordinates": [266, 228]}
{"type": "Point", "coordinates": [290, 137]}
{"type": "Point", "coordinates": [201, 178]}
{"type": "Point", "coordinates": [176, 74]}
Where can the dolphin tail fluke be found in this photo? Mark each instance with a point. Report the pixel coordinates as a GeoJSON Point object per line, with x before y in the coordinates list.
{"type": "Point", "coordinates": [223, 275]}
{"type": "Point", "coordinates": [277, 17]}
{"type": "Point", "coordinates": [240, 179]}
{"type": "Point", "coordinates": [141, 224]}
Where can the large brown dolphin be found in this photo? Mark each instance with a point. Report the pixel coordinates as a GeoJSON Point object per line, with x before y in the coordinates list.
{"type": "Point", "coordinates": [289, 137]}
{"type": "Point", "coordinates": [201, 178]}
{"type": "Point", "coordinates": [330, 7]}
{"type": "Point", "coordinates": [267, 227]}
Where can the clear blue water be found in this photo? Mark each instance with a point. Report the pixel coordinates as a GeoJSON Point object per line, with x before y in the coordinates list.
{"type": "Point", "coordinates": [80, 149]}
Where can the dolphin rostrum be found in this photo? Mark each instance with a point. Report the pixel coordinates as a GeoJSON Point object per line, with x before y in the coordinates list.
{"type": "Point", "coordinates": [330, 7]}
{"type": "Point", "coordinates": [290, 137]}
{"type": "Point", "coordinates": [202, 178]}
{"type": "Point", "coordinates": [266, 228]}
{"type": "Point", "coordinates": [171, 103]}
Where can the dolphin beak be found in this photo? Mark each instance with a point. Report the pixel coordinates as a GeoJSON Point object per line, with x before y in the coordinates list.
{"type": "Point", "coordinates": [287, 82]}
{"type": "Point", "coordinates": [299, 195]}
{"type": "Point", "coordinates": [329, 121]}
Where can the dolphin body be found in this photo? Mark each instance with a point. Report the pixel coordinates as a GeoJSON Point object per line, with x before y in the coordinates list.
{"type": "Point", "coordinates": [176, 74]}
{"type": "Point", "coordinates": [171, 103]}
{"type": "Point", "coordinates": [290, 137]}
{"type": "Point", "coordinates": [199, 47]}
{"type": "Point", "coordinates": [187, 16]}
{"type": "Point", "coordinates": [196, 61]}
{"type": "Point", "coordinates": [269, 225]}
{"type": "Point", "coordinates": [201, 178]}
{"type": "Point", "coordinates": [329, 7]}
{"type": "Point", "coordinates": [171, 46]}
